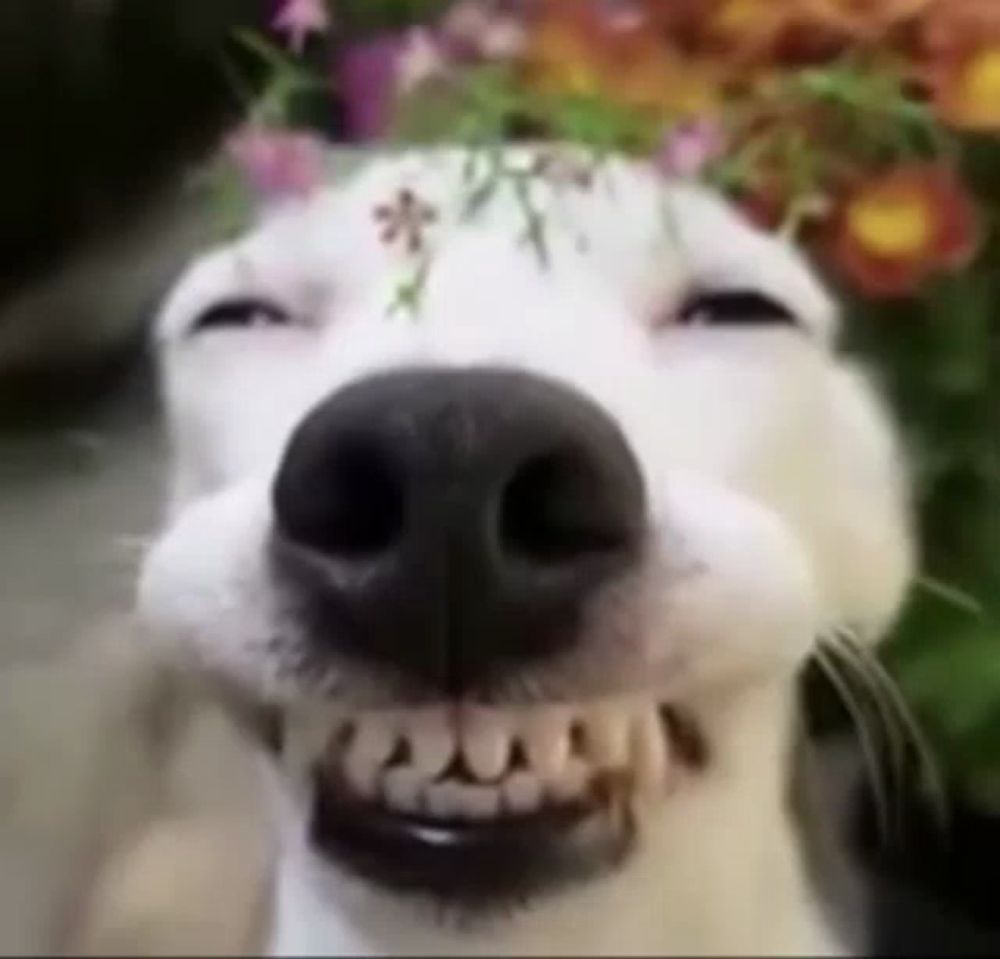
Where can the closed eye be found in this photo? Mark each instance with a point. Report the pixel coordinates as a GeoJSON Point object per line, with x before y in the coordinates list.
{"type": "Point", "coordinates": [241, 313]}
{"type": "Point", "coordinates": [733, 308]}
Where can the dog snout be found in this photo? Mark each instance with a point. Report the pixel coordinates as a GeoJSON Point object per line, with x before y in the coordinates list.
{"type": "Point", "coordinates": [454, 524]}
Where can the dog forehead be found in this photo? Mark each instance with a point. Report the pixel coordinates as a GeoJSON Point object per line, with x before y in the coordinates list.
{"type": "Point", "coordinates": [617, 227]}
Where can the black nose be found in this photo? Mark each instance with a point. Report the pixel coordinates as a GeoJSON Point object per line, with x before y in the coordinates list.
{"type": "Point", "coordinates": [454, 524]}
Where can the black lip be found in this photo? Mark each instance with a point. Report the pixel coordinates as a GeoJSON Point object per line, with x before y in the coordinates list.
{"type": "Point", "coordinates": [475, 865]}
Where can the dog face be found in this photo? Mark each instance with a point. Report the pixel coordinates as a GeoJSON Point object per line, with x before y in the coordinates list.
{"type": "Point", "coordinates": [526, 571]}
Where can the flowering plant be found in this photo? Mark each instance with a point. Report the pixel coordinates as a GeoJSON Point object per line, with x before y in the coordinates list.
{"type": "Point", "coordinates": [837, 121]}
{"type": "Point", "coordinates": [866, 130]}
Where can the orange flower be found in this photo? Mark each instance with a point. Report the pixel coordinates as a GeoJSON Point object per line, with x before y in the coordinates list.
{"type": "Point", "coordinates": [961, 55]}
{"type": "Point", "coordinates": [563, 58]}
{"type": "Point", "coordinates": [893, 232]}
{"type": "Point", "coordinates": [572, 50]}
{"type": "Point", "coordinates": [742, 30]}
{"type": "Point", "coordinates": [755, 35]}
{"type": "Point", "coordinates": [863, 18]}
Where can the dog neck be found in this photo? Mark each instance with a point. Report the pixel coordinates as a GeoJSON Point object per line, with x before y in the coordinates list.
{"type": "Point", "coordinates": [718, 872]}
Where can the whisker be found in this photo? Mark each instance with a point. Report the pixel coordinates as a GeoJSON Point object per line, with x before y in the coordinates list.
{"type": "Point", "coordinates": [891, 728]}
{"type": "Point", "coordinates": [869, 746]}
{"type": "Point", "coordinates": [929, 770]}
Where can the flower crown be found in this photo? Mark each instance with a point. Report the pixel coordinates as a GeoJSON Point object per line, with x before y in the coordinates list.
{"type": "Point", "coordinates": [864, 130]}
{"type": "Point", "coordinates": [838, 122]}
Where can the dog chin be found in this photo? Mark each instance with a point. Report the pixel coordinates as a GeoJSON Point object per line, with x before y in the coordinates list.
{"type": "Point", "coordinates": [541, 799]}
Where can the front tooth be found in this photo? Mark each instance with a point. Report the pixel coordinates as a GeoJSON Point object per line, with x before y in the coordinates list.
{"type": "Point", "coordinates": [480, 802]}
{"type": "Point", "coordinates": [443, 799]}
{"type": "Point", "coordinates": [432, 742]}
{"type": "Point", "coordinates": [485, 743]}
{"type": "Point", "coordinates": [649, 753]}
{"type": "Point", "coordinates": [547, 742]}
{"type": "Point", "coordinates": [521, 792]}
{"type": "Point", "coordinates": [402, 788]}
{"type": "Point", "coordinates": [606, 735]}
{"type": "Point", "coordinates": [570, 783]}
{"type": "Point", "coordinates": [374, 740]}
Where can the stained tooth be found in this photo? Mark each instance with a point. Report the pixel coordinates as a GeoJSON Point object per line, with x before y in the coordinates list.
{"type": "Point", "coordinates": [521, 792]}
{"type": "Point", "coordinates": [443, 799]}
{"type": "Point", "coordinates": [570, 783]}
{"type": "Point", "coordinates": [372, 744]}
{"type": "Point", "coordinates": [480, 802]}
{"type": "Point", "coordinates": [606, 735]}
{"type": "Point", "coordinates": [432, 742]}
{"type": "Point", "coordinates": [649, 753]}
{"type": "Point", "coordinates": [486, 743]}
{"type": "Point", "coordinates": [402, 788]}
{"type": "Point", "coordinates": [546, 741]}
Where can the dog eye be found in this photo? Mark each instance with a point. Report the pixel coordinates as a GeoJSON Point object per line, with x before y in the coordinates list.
{"type": "Point", "coordinates": [733, 308]}
{"type": "Point", "coordinates": [242, 313]}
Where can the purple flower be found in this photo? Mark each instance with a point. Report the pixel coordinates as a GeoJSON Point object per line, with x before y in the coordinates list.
{"type": "Point", "coordinates": [299, 18]}
{"type": "Point", "coordinates": [688, 147]}
{"type": "Point", "coordinates": [278, 163]}
{"type": "Point", "coordinates": [367, 78]}
{"type": "Point", "coordinates": [371, 75]}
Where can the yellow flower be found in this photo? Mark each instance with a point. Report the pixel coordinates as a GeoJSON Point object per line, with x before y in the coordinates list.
{"type": "Point", "coordinates": [890, 226]}
{"type": "Point", "coordinates": [959, 60]}
{"type": "Point", "coordinates": [894, 231]}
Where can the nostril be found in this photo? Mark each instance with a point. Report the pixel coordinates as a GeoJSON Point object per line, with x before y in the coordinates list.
{"type": "Point", "coordinates": [355, 509]}
{"type": "Point", "coordinates": [561, 506]}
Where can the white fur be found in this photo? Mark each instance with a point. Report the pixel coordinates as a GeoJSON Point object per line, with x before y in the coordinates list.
{"type": "Point", "coordinates": [775, 494]}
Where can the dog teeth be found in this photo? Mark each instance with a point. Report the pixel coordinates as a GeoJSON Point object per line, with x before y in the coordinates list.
{"type": "Point", "coordinates": [444, 799]}
{"type": "Point", "coordinates": [486, 743]}
{"type": "Point", "coordinates": [455, 800]}
{"type": "Point", "coordinates": [374, 740]}
{"type": "Point", "coordinates": [606, 735]}
{"type": "Point", "coordinates": [521, 792]}
{"type": "Point", "coordinates": [571, 783]}
{"type": "Point", "coordinates": [546, 737]}
{"type": "Point", "coordinates": [481, 802]}
{"type": "Point", "coordinates": [511, 761]}
{"type": "Point", "coordinates": [403, 788]}
{"type": "Point", "coordinates": [649, 753]}
{"type": "Point", "coordinates": [432, 742]}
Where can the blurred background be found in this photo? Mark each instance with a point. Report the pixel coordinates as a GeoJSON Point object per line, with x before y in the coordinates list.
{"type": "Point", "coordinates": [109, 184]}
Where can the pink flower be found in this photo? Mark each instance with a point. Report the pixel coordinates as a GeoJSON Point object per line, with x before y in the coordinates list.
{"type": "Point", "coordinates": [421, 58]}
{"type": "Point", "coordinates": [480, 30]}
{"type": "Point", "coordinates": [299, 18]}
{"type": "Point", "coordinates": [690, 146]}
{"type": "Point", "coordinates": [278, 164]}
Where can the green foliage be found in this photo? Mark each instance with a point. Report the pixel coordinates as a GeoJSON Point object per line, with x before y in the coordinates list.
{"type": "Point", "coordinates": [360, 17]}
{"type": "Point", "coordinates": [938, 357]}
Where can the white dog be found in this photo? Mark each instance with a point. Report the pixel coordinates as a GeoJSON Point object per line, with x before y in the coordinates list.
{"type": "Point", "coordinates": [506, 526]}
